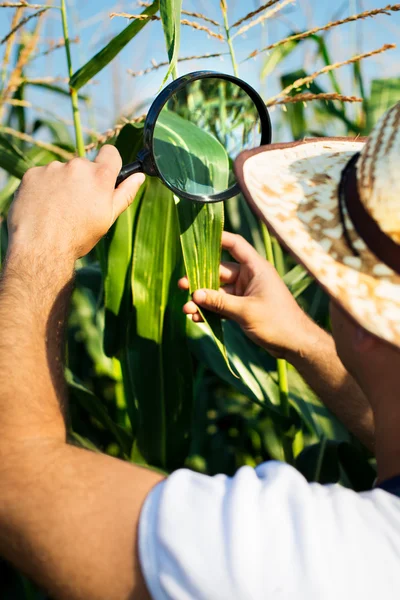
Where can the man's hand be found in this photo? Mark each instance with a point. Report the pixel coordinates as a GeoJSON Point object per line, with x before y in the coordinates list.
{"type": "Point", "coordinates": [256, 298]}
{"type": "Point", "coordinates": [64, 209]}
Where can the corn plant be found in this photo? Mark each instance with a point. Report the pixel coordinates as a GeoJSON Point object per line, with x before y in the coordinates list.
{"type": "Point", "coordinates": [147, 384]}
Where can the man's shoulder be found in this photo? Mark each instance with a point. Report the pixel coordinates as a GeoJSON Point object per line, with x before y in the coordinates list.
{"type": "Point", "coordinates": [249, 531]}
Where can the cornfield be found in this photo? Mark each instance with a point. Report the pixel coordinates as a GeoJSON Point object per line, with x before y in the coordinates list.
{"type": "Point", "coordinates": [146, 384]}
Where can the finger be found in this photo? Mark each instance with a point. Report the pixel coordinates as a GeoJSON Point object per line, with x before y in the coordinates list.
{"type": "Point", "coordinates": [190, 308]}
{"type": "Point", "coordinates": [228, 289]}
{"type": "Point", "coordinates": [197, 318]}
{"type": "Point", "coordinates": [239, 248]}
{"type": "Point", "coordinates": [228, 272]}
{"type": "Point", "coordinates": [125, 193]}
{"type": "Point", "coordinates": [219, 302]}
{"type": "Point", "coordinates": [110, 157]}
{"type": "Point", "coordinates": [183, 283]}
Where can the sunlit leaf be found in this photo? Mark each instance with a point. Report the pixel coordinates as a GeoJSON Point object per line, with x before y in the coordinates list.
{"type": "Point", "coordinates": [159, 361]}
{"type": "Point", "coordinates": [113, 48]}
{"type": "Point", "coordinates": [170, 11]}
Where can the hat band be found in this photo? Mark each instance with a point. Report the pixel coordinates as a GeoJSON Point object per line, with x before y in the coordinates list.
{"type": "Point", "coordinates": [369, 231]}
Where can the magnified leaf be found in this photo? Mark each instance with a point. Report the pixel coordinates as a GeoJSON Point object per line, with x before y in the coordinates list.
{"type": "Point", "coordinates": [106, 55]}
{"type": "Point", "coordinates": [170, 11]}
{"type": "Point", "coordinates": [189, 158]}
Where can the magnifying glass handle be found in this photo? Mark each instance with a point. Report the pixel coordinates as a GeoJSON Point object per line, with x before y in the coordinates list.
{"type": "Point", "coordinates": [127, 170]}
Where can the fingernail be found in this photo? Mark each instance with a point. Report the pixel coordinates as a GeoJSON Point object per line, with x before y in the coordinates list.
{"type": "Point", "coordinates": [140, 177]}
{"type": "Point", "coordinates": [199, 296]}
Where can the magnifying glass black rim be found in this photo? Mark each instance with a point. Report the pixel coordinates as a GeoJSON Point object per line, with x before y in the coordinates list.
{"type": "Point", "coordinates": [162, 99]}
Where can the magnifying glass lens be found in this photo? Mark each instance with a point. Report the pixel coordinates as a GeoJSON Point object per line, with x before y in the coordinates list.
{"type": "Point", "coordinates": [200, 131]}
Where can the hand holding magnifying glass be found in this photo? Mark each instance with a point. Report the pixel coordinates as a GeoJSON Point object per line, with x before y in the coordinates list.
{"type": "Point", "coordinates": [195, 129]}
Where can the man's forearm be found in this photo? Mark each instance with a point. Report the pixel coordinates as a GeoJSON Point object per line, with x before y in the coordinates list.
{"type": "Point", "coordinates": [33, 305]}
{"type": "Point", "coordinates": [322, 369]}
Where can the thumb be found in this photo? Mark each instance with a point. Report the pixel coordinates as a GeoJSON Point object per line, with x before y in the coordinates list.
{"type": "Point", "coordinates": [219, 302]}
{"type": "Point", "coordinates": [125, 193]}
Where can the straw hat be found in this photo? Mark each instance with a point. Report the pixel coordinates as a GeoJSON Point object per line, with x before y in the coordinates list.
{"type": "Point", "coordinates": [335, 204]}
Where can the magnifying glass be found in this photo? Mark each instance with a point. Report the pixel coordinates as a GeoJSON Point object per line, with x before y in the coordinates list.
{"type": "Point", "coordinates": [195, 129]}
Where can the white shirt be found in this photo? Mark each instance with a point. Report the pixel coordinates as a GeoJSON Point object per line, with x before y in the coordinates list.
{"type": "Point", "coordinates": [268, 533]}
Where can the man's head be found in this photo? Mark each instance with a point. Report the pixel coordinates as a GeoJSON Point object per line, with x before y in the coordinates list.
{"type": "Point", "coordinates": [335, 203]}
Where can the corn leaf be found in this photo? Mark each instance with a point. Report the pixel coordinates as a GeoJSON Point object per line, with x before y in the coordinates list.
{"type": "Point", "coordinates": [12, 163]}
{"type": "Point", "coordinates": [258, 382]}
{"type": "Point", "coordinates": [170, 11]}
{"type": "Point", "coordinates": [188, 157]}
{"type": "Point", "coordinates": [92, 405]}
{"type": "Point", "coordinates": [118, 245]}
{"type": "Point", "coordinates": [201, 227]}
{"type": "Point", "coordinates": [109, 52]}
{"type": "Point", "coordinates": [298, 280]}
{"type": "Point", "coordinates": [240, 218]}
{"type": "Point", "coordinates": [57, 89]}
{"type": "Point", "coordinates": [59, 131]}
{"type": "Point", "coordinates": [158, 356]}
{"type": "Point", "coordinates": [195, 160]}
{"type": "Point", "coordinates": [295, 112]}
{"type": "Point", "coordinates": [315, 414]}
{"type": "Point", "coordinates": [384, 94]}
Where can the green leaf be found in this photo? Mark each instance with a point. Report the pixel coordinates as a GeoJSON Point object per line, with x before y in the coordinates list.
{"type": "Point", "coordinates": [296, 114]}
{"type": "Point", "coordinates": [195, 158]}
{"type": "Point", "coordinates": [84, 442]}
{"type": "Point", "coordinates": [118, 246]}
{"type": "Point", "coordinates": [12, 163]}
{"type": "Point", "coordinates": [86, 318]}
{"type": "Point", "coordinates": [384, 94]}
{"type": "Point", "coordinates": [239, 218]}
{"type": "Point", "coordinates": [320, 462]}
{"type": "Point", "coordinates": [253, 365]}
{"type": "Point", "coordinates": [319, 419]}
{"type": "Point", "coordinates": [332, 461]}
{"type": "Point", "coordinates": [297, 280]}
{"type": "Point", "coordinates": [170, 11]}
{"type": "Point", "coordinates": [59, 131]}
{"type": "Point", "coordinates": [113, 48]}
{"type": "Point", "coordinates": [57, 89]}
{"type": "Point", "coordinates": [201, 227]}
{"type": "Point", "coordinates": [158, 356]}
{"type": "Point", "coordinates": [276, 56]}
{"type": "Point", "coordinates": [189, 157]}
{"type": "Point", "coordinates": [92, 405]}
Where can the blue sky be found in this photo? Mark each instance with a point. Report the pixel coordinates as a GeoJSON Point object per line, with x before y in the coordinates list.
{"type": "Point", "coordinates": [116, 92]}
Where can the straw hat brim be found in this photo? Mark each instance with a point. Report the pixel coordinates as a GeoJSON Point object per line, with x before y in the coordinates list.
{"type": "Point", "coordinates": [294, 189]}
